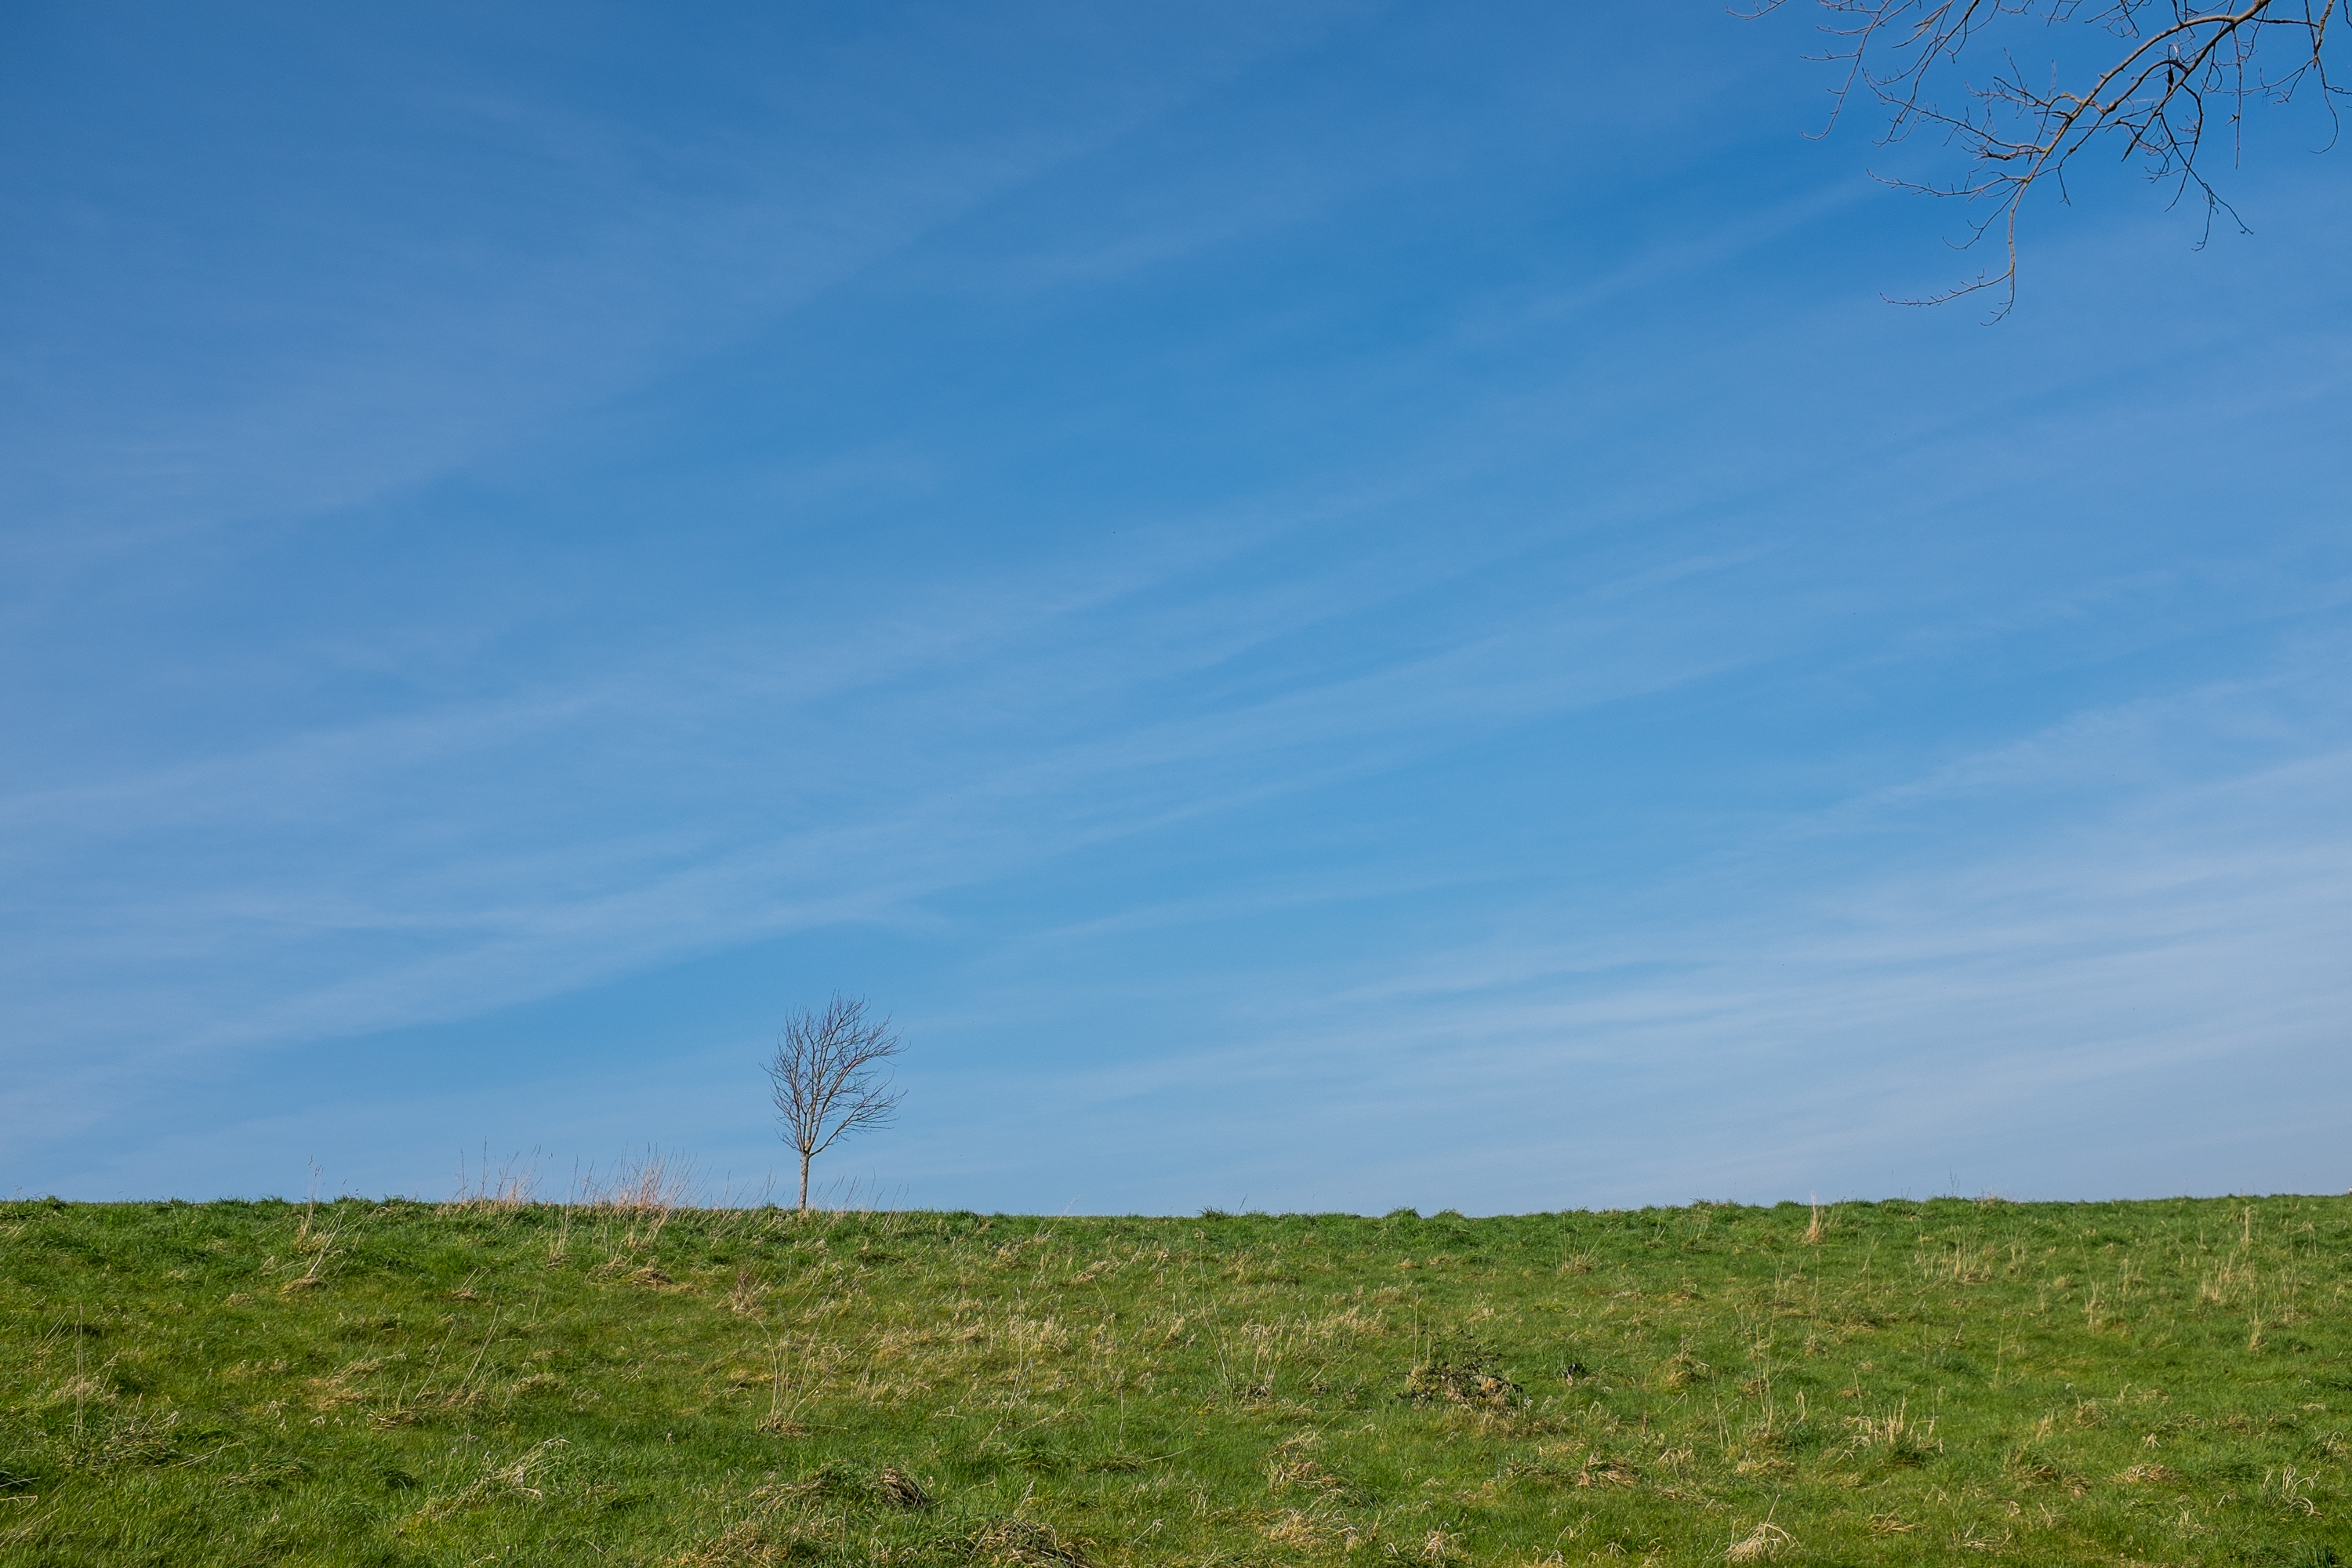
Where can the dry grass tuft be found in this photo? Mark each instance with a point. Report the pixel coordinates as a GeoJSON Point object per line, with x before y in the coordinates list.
{"type": "Point", "coordinates": [741, 1545]}
{"type": "Point", "coordinates": [1028, 1541]}
{"type": "Point", "coordinates": [129, 1439]}
{"type": "Point", "coordinates": [901, 1490]}
{"type": "Point", "coordinates": [525, 1478]}
{"type": "Point", "coordinates": [767, 1542]}
{"type": "Point", "coordinates": [1440, 1546]}
{"type": "Point", "coordinates": [1461, 1373]}
{"type": "Point", "coordinates": [1296, 1472]}
{"type": "Point", "coordinates": [511, 1187]}
{"type": "Point", "coordinates": [1682, 1369]}
{"type": "Point", "coordinates": [1763, 1543]}
{"type": "Point", "coordinates": [2149, 1476]}
{"type": "Point", "coordinates": [1893, 1436]}
{"type": "Point", "coordinates": [654, 1185]}
{"type": "Point", "coordinates": [1310, 1531]}
{"type": "Point", "coordinates": [1601, 1470]}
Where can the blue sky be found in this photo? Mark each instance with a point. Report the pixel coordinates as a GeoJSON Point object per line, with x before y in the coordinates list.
{"type": "Point", "coordinates": [1334, 606]}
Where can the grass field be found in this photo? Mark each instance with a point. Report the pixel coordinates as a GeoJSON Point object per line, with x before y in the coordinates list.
{"type": "Point", "coordinates": [1899, 1383]}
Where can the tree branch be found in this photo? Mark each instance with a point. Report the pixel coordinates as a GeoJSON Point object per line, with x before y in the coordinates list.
{"type": "Point", "coordinates": [2182, 62]}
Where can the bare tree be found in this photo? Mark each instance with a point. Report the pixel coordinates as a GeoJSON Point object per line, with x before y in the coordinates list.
{"type": "Point", "coordinates": [827, 1078]}
{"type": "Point", "coordinates": [2171, 72]}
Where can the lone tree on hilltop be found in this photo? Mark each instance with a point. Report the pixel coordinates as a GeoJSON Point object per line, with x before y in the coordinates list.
{"type": "Point", "coordinates": [2159, 76]}
{"type": "Point", "coordinates": [827, 1077]}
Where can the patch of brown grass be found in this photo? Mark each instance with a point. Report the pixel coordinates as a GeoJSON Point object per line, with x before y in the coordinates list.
{"type": "Point", "coordinates": [1763, 1543]}
{"type": "Point", "coordinates": [1601, 1470]}
{"type": "Point", "coordinates": [1028, 1541]}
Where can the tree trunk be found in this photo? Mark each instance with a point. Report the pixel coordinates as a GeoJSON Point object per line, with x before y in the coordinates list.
{"type": "Point", "coordinates": [805, 1164]}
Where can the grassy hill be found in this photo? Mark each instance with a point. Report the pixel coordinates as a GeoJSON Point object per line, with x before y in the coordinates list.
{"type": "Point", "coordinates": [1899, 1383]}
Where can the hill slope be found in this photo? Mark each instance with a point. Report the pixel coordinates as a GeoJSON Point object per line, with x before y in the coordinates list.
{"type": "Point", "coordinates": [1900, 1382]}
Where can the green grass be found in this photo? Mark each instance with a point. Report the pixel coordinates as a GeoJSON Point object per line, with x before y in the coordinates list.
{"type": "Point", "coordinates": [1920, 1382]}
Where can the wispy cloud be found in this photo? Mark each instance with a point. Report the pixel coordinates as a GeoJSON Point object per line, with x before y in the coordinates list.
{"type": "Point", "coordinates": [2156, 1006]}
{"type": "Point", "coordinates": [1334, 610]}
